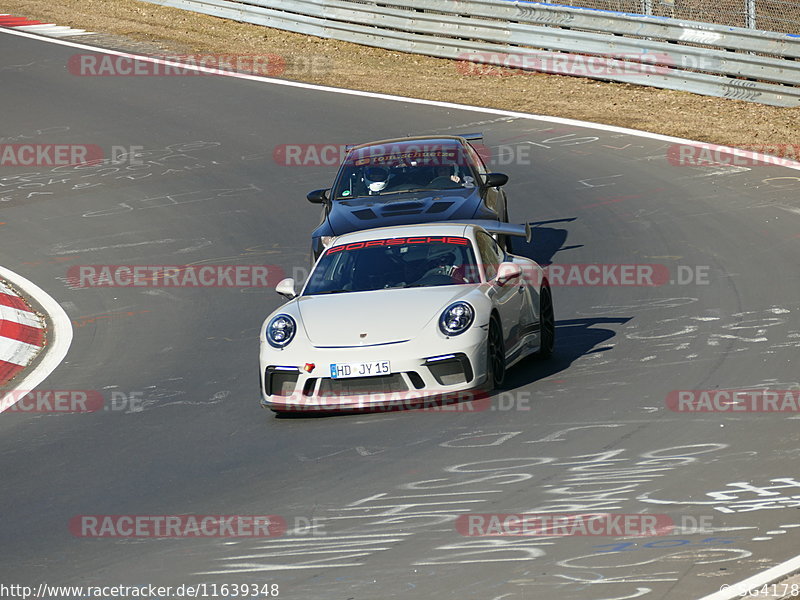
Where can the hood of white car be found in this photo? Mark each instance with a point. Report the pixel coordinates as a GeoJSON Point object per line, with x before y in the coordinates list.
{"type": "Point", "coordinates": [377, 317]}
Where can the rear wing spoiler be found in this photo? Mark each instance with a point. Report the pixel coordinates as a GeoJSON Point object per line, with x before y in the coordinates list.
{"type": "Point", "coordinates": [500, 228]}
{"type": "Point", "coordinates": [470, 137]}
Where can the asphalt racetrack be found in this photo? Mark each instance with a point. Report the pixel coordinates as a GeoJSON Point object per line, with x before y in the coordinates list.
{"type": "Point", "coordinates": [372, 500]}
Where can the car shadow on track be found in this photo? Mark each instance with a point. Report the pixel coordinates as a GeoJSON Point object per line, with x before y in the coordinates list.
{"type": "Point", "coordinates": [574, 338]}
{"type": "Point", "coordinates": [545, 242]}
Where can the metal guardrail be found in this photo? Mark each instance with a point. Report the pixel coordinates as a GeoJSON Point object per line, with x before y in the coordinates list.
{"type": "Point", "coordinates": [770, 15]}
{"type": "Point", "coordinates": [704, 58]}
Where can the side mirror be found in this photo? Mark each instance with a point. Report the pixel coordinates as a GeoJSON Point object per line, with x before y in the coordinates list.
{"type": "Point", "coordinates": [495, 179]}
{"type": "Point", "coordinates": [317, 196]}
{"type": "Point", "coordinates": [506, 272]}
{"type": "Point", "coordinates": [285, 288]}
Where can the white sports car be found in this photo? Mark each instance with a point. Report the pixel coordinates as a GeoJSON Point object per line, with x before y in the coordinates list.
{"type": "Point", "coordinates": [405, 313]}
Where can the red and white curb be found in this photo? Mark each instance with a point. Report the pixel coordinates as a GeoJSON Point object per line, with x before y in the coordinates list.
{"type": "Point", "coordinates": [21, 334]}
{"type": "Point", "coordinates": [48, 29]}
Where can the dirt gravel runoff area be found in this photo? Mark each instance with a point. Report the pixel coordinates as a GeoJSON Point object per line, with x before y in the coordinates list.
{"type": "Point", "coordinates": [152, 29]}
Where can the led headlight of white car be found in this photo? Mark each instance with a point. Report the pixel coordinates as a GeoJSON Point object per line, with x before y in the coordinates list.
{"type": "Point", "coordinates": [456, 318]}
{"type": "Point", "coordinates": [280, 331]}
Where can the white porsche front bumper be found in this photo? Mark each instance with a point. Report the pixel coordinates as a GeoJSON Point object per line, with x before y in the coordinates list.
{"type": "Point", "coordinates": [298, 378]}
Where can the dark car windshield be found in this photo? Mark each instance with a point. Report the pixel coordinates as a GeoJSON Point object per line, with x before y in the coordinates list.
{"type": "Point", "coordinates": [378, 171]}
{"type": "Point", "coordinates": [394, 263]}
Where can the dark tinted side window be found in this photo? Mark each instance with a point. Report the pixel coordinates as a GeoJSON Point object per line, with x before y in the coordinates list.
{"type": "Point", "coordinates": [491, 255]}
{"type": "Point", "coordinates": [476, 159]}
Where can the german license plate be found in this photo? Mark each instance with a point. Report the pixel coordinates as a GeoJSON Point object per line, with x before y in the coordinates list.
{"type": "Point", "coordinates": [360, 369]}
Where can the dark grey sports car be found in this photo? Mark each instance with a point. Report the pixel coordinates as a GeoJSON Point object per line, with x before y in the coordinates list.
{"type": "Point", "coordinates": [409, 180]}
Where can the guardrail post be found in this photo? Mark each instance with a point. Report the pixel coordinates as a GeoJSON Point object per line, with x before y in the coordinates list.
{"type": "Point", "coordinates": [751, 13]}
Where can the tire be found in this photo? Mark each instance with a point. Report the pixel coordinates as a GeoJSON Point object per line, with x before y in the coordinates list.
{"type": "Point", "coordinates": [495, 356]}
{"type": "Point", "coordinates": [547, 323]}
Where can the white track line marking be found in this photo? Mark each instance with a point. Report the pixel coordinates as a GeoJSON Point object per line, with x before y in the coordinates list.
{"type": "Point", "coordinates": [740, 589]}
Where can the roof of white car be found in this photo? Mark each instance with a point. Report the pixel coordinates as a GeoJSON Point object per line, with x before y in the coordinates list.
{"type": "Point", "coordinates": [380, 233]}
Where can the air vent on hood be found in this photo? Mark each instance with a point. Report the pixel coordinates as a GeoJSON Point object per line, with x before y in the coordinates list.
{"type": "Point", "coordinates": [365, 214]}
{"type": "Point", "coordinates": [438, 207]}
{"type": "Point", "coordinates": [403, 207]}
{"type": "Point", "coordinates": [397, 213]}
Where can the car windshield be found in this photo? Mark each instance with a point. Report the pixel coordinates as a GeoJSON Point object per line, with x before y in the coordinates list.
{"type": "Point", "coordinates": [403, 262]}
{"type": "Point", "coordinates": [375, 171]}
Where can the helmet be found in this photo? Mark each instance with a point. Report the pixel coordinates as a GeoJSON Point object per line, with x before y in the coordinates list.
{"type": "Point", "coordinates": [376, 178]}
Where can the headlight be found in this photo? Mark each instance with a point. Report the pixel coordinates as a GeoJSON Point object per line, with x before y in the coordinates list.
{"type": "Point", "coordinates": [456, 318]}
{"type": "Point", "coordinates": [326, 240]}
{"type": "Point", "coordinates": [280, 331]}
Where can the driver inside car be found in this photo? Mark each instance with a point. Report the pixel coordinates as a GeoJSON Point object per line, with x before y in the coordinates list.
{"type": "Point", "coordinates": [375, 179]}
{"type": "Point", "coordinates": [445, 177]}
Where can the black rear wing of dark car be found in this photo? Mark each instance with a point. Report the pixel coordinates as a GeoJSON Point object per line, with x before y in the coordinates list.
{"type": "Point", "coordinates": [470, 137]}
